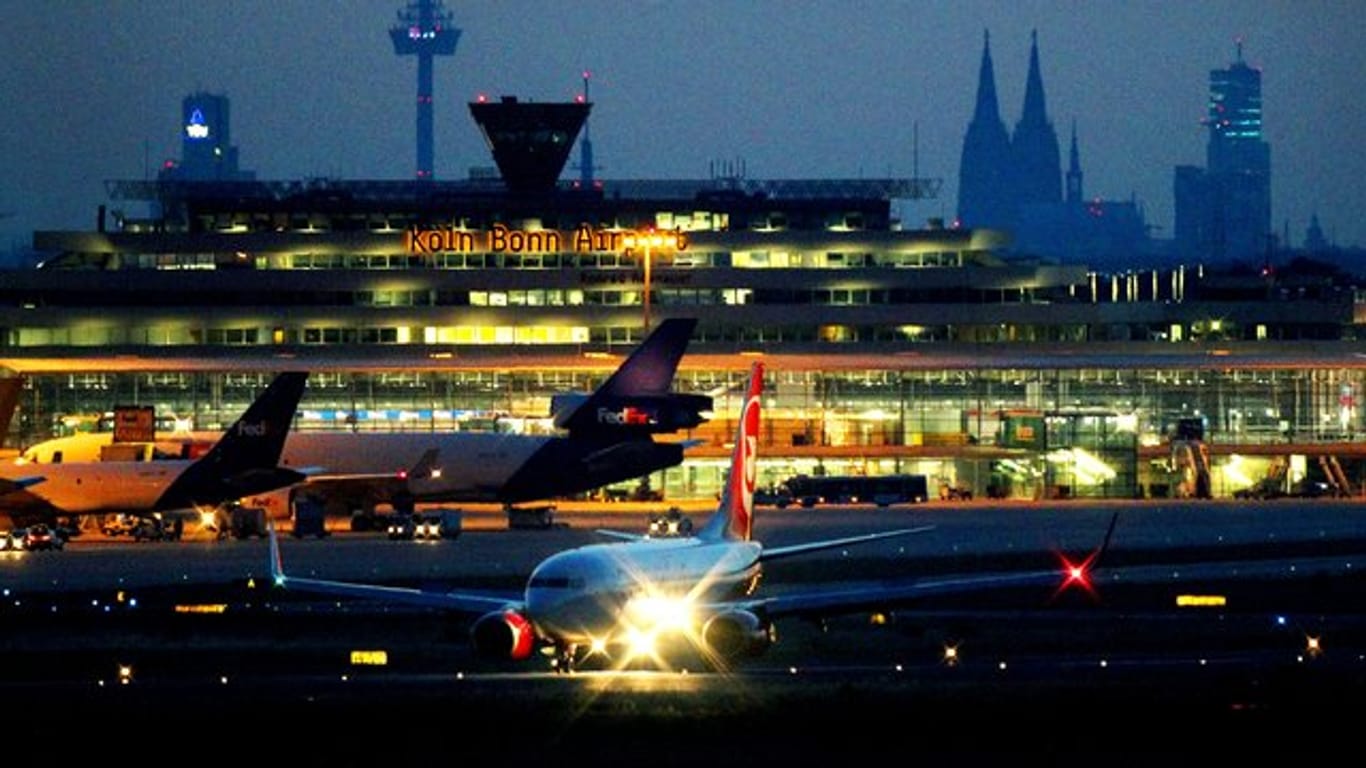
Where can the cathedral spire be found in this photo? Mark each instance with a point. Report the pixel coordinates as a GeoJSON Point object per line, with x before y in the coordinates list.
{"type": "Point", "coordinates": [1034, 111]}
{"type": "Point", "coordinates": [987, 108]}
{"type": "Point", "coordinates": [1034, 145]}
{"type": "Point", "coordinates": [1074, 190]}
{"type": "Point", "coordinates": [984, 178]}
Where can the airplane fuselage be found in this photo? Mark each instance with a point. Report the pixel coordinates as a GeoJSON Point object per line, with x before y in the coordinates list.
{"type": "Point", "coordinates": [95, 487]}
{"type": "Point", "coordinates": [593, 593]}
{"type": "Point", "coordinates": [474, 466]}
{"type": "Point", "coordinates": [486, 457]}
{"type": "Point", "coordinates": [477, 463]}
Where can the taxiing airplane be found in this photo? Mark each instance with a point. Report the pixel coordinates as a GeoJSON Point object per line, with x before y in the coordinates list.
{"type": "Point", "coordinates": [244, 461]}
{"type": "Point", "coordinates": [615, 598]}
{"type": "Point", "coordinates": [607, 437]}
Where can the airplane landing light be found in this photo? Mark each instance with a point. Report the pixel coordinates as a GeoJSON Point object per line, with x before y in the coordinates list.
{"type": "Point", "coordinates": [640, 643]}
{"type": "Point", "coordinates": [660, 613]}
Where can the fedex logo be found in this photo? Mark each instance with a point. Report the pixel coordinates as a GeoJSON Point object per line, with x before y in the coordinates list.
{"type": "Point", "coordinates": [259, 429]}
{"type": "Point", "coordinates": [627, 416]}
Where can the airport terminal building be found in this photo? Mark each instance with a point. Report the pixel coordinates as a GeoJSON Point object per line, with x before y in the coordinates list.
{"type": "Point", "coordinates": [422, 305]}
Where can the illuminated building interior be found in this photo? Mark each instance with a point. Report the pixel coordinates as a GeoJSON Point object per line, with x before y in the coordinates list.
{"type": "Point", "coordinates": [440, 305]}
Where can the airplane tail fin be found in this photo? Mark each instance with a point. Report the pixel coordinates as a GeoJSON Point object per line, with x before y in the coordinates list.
{"type": "Point", "coordinates": [427, 466]}
{"type": "Point", "coordinates": [734, 518]}
{"type": "Point", "coordinates": [245, 460]}
{"type": "Point", "coordinates": [637, 396]}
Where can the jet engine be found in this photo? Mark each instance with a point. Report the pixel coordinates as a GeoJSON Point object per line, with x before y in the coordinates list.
{"type": "Point", "coordinates": [738, 634]}
{"type": "Point", "coordinates": [503, 635]}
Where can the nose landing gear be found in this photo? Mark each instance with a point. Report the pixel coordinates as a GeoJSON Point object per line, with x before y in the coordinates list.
{"type": "Point", "coordinates": [565, 657]}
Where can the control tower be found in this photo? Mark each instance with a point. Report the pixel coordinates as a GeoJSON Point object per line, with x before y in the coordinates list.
{"type": "Point", "coordinates": [424, 30]}
{"type": "Point", "coordinates": [530, 140]}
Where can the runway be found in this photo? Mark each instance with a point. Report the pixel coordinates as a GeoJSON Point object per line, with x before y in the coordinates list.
{"type": "Point", "coordinates": [215, 657]}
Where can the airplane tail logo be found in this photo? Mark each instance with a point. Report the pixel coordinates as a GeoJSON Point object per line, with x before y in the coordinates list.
{"type": "Point", "coordinates": [245, 459]}
{"type": "Point", "coordinates": [646, 375]}
{"type": "Point", "coordinates": [735, 516]}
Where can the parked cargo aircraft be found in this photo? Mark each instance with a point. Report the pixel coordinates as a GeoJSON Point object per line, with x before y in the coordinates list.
{"type": "Point", "coordinates": [607, 438]}
{"type": "Point", "coordinates": [610, 599]}
{"type": "Point", "coordinates": [244, 461]}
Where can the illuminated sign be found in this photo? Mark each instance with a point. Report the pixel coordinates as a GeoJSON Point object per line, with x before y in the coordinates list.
{"type": "Point", "coordinates": [210, 608]}
{"type": "Point", "coordinates": [197, 129]}
{"type": "Point", "coordinates": [1201, 601]}
{"type": "Point", "coordinates": [503, 239]}
{"type": "Point", "coordinates": [134, 424]}
{"type": "Point", "coordinates": [360, 658]}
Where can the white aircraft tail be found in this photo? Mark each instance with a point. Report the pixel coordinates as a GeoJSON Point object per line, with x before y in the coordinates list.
{"type": "Point", "coordinates": [734, 518]}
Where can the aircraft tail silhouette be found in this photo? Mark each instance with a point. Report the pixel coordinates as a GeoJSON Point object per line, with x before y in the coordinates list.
{"type": "Point", "coordinates": [246, 459]}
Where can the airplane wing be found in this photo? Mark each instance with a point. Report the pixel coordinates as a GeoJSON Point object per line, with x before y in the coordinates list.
{"type": "Point", "coordinates": [893, 594]}
{"type": "Point", "coordinates": [451, 601]}
{"type": "Point", "coordinates": [10, 485]}
{"type": "Point", "coordinates": [623, 535]}
{"type": "Point", "coordinates": [775, 553]}
{"type": "Point", "coordinates": [887, 596]}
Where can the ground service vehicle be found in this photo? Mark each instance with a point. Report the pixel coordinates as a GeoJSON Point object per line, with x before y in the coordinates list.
{"type": "Point", "coordinates": [439, 524]}
{"type": "Point", "coordinates": [40, 536]}
{"type": "Point", "coordinates": [11, 541]}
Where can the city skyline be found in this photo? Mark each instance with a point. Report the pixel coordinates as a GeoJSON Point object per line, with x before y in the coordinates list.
{"type": "Point", "coordinates": [812, 90]}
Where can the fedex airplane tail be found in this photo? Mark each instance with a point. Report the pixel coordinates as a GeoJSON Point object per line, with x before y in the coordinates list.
{"type": "Point", "coordinates": [246, 459]}
{"type": "Point", "coordinates": [636, 399]}
{"type": "Point", "coordinates": [734, 518]}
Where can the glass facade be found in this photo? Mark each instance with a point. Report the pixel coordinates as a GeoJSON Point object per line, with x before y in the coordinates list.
{"type": "Point", "coordinates": [447, 306]}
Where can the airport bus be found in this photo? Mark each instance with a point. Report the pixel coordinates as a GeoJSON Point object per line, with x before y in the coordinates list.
{"type": "Point", "coordinates": [881, 490]}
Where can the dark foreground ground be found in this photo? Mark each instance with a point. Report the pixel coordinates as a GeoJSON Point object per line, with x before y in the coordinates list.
{"type": "Point", "coordinates": [219, 669]}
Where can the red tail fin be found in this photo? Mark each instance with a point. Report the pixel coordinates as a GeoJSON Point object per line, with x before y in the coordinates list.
{"type": "Point", "coordinates": [734, 519]}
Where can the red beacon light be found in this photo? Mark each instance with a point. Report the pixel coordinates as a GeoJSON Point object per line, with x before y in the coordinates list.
{"type": "Point", "coordinates": [1079, 574]}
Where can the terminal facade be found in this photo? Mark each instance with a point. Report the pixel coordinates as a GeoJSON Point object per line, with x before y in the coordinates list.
{"type": "Point", "coordinates": [890, 349]}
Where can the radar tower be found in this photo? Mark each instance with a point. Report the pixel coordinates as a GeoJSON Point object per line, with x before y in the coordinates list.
{"type": "Point", "coordinates": [424, 30]}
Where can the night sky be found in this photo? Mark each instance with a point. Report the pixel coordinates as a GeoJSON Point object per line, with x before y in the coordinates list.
{"type": "Point", "coordinates": [792, 88]}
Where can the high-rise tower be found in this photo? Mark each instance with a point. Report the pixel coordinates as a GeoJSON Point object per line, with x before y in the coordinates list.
{"type": "Point", "coordinates": [424, 30]}
{"type": "Point", "coordinates": [1238, 161]}
{"type": "Point", "coordinates": [206, 149]}
{"type": "Point", "coordinates": [1034, 146]}
{"type": "Point", "coordinates": [985, 198]}
{"type": "Point", "coordinates": [1223, 211]}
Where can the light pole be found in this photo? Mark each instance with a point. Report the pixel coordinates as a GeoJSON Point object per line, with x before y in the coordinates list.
{"type": "Point", "coordinates": [650, 239]}
{"type": "Point", "coordinates": [647, 242]}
